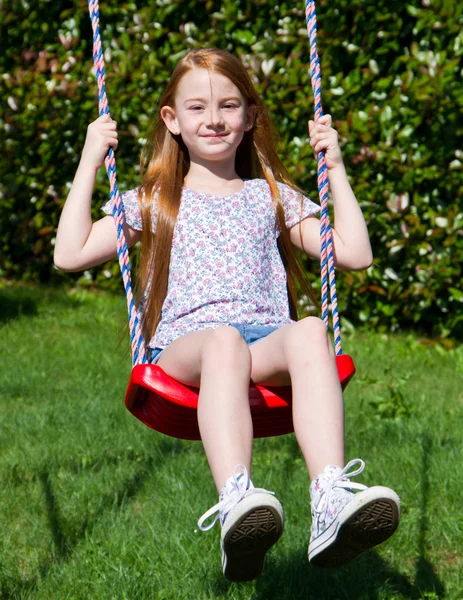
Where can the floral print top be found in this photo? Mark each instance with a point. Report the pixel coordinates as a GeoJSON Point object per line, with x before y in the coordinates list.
{"type": "Point", "coordinates": [225, 266]}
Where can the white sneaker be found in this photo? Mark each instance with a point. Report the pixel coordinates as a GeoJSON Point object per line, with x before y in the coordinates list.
{"type": "Point", "coordinates": [252, 521]}
{"type": "Point", "coordinates": [344, 523]}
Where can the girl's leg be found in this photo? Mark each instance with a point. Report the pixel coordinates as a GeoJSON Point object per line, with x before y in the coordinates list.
{"type": "Point", "coordinates": [344, 523]}
{"type": "Point", "coordinates": [301, 354]}
{"type": "Point", "coordinates": [251, 518]}
{"type": "Point", "coordinates": [224, 416]}
{"type": "Point", "coordinates": [219, 361]}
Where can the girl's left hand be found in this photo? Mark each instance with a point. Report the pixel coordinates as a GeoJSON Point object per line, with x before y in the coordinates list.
{"type": "Point", "coordinates": [324, 138]}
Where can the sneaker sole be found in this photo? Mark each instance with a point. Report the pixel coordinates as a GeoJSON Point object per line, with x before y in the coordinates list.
{"type": "Point", "coordinates": [368, 520]}
{"type": "Point", "coordinates": [255, 530]}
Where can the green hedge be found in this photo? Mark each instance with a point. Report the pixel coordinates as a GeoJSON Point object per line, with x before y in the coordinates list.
{"type": "Point", "coordinates": [391, 78]}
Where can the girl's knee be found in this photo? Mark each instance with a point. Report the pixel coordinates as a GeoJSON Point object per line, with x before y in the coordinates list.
{"type": "Point", "coordinates": [307, 335]}
{"type": "Point", "coordinates": [225, 342]}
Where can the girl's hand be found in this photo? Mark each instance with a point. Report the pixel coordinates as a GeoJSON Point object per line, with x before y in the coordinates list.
{"type": "Point", "coordinates": [324, 138]}
{"type": "Point", "coordinates": [101, 135]}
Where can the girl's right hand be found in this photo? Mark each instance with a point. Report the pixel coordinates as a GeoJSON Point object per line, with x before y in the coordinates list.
{"type": "Point", "coordinates": [101, 135]}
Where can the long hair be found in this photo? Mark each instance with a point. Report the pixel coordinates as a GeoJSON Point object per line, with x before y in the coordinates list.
{"type": "Point", "coordinates": [164, 164]}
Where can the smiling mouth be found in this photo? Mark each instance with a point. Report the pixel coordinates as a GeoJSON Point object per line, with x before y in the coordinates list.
{"type": "Point", "coordinates": [216, 135]}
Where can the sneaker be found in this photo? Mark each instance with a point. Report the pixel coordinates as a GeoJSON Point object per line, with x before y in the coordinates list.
{"type": "Point", "coordinates": [252, 521]}
{"type": "Point", "coordinates": [344, 523]}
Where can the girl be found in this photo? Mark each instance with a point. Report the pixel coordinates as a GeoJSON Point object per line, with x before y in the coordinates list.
{"type": "Point", "coordinates": [217, 215]}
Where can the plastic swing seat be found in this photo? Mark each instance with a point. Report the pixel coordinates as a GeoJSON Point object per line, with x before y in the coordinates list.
{"type": "Point", "coordinates": [170, 407]}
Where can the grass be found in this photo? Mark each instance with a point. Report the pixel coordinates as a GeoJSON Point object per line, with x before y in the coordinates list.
{"type": "Point", "coordinates": [94, 505]}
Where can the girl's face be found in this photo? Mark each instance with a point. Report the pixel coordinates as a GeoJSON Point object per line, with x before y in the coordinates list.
{"type": "Point", "coordinates": [210, 114]}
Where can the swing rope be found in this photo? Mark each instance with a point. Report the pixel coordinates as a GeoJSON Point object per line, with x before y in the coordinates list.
{"type": "Point", "coordinates": [326, 238]}
{"type": "Point", "coordinates": [139, 354]}
{"type": "Point", "coordinates": [136, 337]}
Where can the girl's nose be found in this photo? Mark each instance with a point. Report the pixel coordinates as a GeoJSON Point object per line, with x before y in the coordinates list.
{"type": "Point", "coordinates": [215, 116]}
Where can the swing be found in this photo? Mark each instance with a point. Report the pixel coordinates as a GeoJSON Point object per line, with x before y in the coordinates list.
{"type": "Point", "coordinates": [152, 396]}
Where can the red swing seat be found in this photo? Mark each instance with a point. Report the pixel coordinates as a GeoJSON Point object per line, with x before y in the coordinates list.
{"type": "Point", "coordinates": [170, 407]}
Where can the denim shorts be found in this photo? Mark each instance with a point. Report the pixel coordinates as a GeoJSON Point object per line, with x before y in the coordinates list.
{"type": "Point", "coordinates": [250, 334]}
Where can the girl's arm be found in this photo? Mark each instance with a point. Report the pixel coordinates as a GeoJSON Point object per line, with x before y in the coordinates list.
{"type": "Point", "coordinates": [352, 248]}
{"type": "Point", "coordinates": [81, 244]}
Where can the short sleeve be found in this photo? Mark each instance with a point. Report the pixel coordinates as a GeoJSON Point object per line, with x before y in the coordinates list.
{"type": "Point", "coordinates": [292, 204]}
{"type": "Point", "coordinates": [131, 209]}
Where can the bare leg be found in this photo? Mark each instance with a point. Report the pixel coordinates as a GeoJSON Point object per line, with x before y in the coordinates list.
{"type": "Point", "coordinates": [301, 354]}
{"type": "Point", "coordinates": [224, 415]}
{"type": "Point", "coordinates": [220, 362]}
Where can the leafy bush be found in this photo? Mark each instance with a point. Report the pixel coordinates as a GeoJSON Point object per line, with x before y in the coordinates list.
{"type": "Point", "coordinates": [391, 78]}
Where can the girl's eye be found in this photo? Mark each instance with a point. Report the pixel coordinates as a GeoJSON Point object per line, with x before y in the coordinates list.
{"type": "Point", "coordinates": [197, 108]}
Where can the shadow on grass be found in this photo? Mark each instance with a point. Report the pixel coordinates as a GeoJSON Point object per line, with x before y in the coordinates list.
{"type": "Point", "coordinates": [290, 577]}
{"type": "Point", "coordinates": [64, 543]}
{"type": "Point", "coordinates": [425, 575]}
{"type": "Point", "coordinates": [14, 305]}
{"type": "Point", "coordinates": [17, 300]}
{"type": "Point", "coordinates": [369, 577]}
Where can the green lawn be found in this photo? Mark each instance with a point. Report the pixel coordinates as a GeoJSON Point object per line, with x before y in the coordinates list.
{"type": "Point", "coordinates": [94, 505]}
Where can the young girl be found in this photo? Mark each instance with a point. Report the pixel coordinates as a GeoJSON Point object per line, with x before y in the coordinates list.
{"type": "Point", "coordinates": [217, 215]}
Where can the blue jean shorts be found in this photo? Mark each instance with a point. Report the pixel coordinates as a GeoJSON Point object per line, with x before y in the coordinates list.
{"type": "Point", "coordinates": [250, 334]}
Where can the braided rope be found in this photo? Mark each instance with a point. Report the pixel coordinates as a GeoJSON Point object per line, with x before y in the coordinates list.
{"type": "Point", "coordinates": [326, 238]}
{"type": "Point", "coordinates": [137, 343]}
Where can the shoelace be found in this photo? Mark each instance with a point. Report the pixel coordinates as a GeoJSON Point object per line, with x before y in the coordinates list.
{"type": "Point", "coordinates": [339, 479]}
{"type": "Point", "coordinates": [231, 499]}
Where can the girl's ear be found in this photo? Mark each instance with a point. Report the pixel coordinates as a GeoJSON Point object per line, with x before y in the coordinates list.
{"type": "Point", "coordinates": [250, 117]}
{"type": "Point", "coordinates": [168, 116]}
